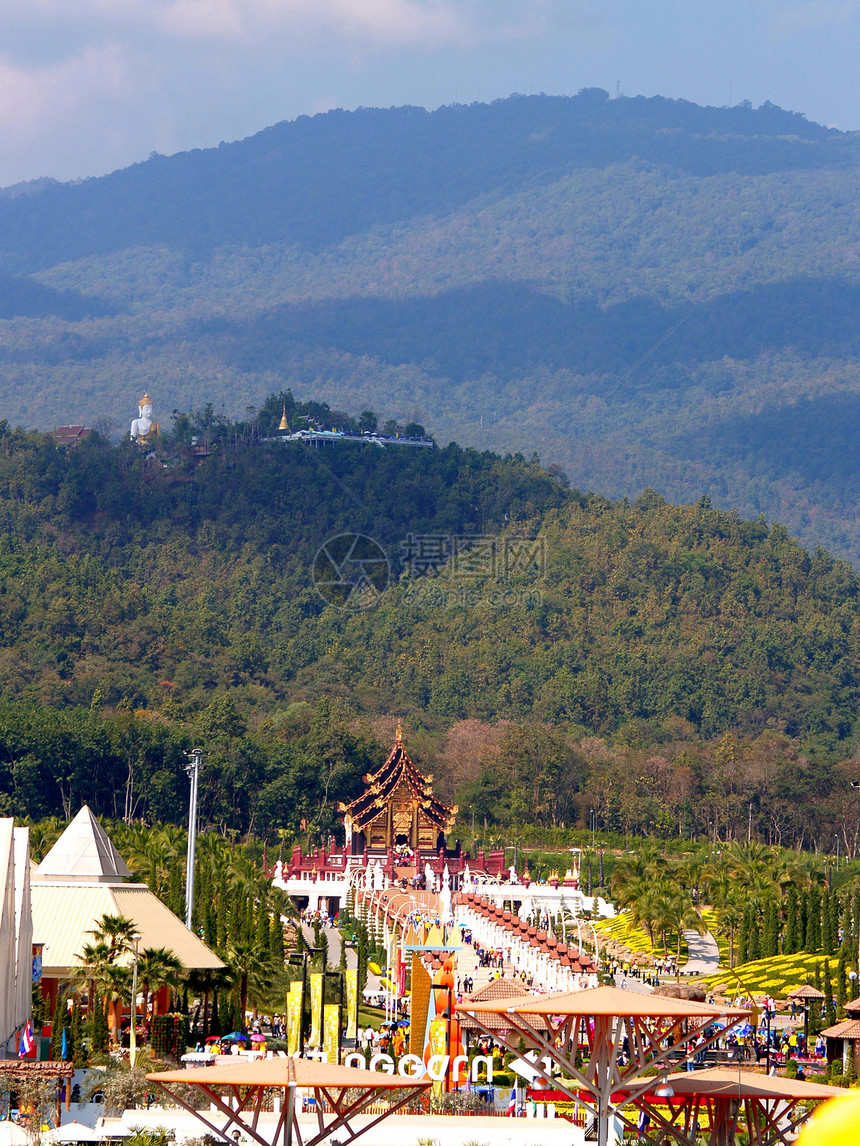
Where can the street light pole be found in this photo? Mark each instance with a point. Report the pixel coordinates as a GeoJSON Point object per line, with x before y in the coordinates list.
{"type": "Point", "coordinates": [195, 758]}
{"type": "Point", "coordinates": [132, 1037]}
{"type": "Point", "coordinates": [767, 1044]}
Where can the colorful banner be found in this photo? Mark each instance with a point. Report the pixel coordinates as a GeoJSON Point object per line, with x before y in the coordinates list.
{"type": "Point", "coordinates": [420, 1006]}
{"type": "Point", "coordinates": [294, 1017]}
{"type": "Point", "coordinates": [351, 986]}
{"type": "Point", "coordinates": [437, 1044]}
{"type": "Point", "coordinates": [331, 1032]}
{"type": "Point", "coordinates": [315, 1038]}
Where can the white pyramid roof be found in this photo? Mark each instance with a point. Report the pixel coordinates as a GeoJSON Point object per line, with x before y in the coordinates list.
{"type": "Point", "coordinates": [84, 854]}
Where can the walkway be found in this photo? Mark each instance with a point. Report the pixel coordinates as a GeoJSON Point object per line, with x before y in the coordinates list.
{"type": "Point", "coordinates": [703, 955]}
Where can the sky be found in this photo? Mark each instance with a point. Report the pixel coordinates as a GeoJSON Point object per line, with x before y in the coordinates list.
{"type": "Point", "coordinates": [93, 85]}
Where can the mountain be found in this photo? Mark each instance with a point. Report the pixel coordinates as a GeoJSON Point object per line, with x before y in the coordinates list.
{"type": "Point", "coordinates": [549, 650]}
{"type": "Point", "coordinates": [646, 292]}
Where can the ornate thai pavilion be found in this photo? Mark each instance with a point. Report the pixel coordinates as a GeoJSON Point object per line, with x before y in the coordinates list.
{"type": "Point", "coordinates": [397, 809]}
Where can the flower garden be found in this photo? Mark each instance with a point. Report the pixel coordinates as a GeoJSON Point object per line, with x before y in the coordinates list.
{"type": "Point", "coordinates": [621, 930]}
{"type": "Point", "coordinates": [777, 975]}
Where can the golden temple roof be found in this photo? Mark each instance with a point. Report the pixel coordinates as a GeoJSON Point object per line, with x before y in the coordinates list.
{"type": "Point", "coordinates": [381, 785]}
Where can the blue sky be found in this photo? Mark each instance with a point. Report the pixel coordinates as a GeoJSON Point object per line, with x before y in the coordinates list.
{"type": "Point", "coordinates": [97, 84]}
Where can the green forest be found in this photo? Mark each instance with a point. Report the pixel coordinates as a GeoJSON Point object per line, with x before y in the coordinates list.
{"type": "Point", "coordinates": [648, 293]}
{"type": "Point", "coordinates": [677, 669]}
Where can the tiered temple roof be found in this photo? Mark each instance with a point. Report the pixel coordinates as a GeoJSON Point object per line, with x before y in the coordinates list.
{"type": "Point", "coordinates": [398, 805]}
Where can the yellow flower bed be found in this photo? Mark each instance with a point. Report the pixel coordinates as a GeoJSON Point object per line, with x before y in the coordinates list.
{"type": "Point", "coordinates": [622, 929]}
{"type": "Point", "coordinates": [777, 975]}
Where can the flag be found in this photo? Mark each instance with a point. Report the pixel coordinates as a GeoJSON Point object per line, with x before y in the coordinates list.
{"type": "Point", "coordinates": [65, 1046]}
{"type": "Point", "coordinates": [27, 1041]}
{"type": "Point", "coordinates": [512, 1103]}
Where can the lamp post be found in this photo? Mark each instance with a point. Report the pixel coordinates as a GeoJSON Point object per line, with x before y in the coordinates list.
{"type": "Point", "coordinates": [132, 1037]}
{"type": "Point", "coordinates": [352, 1020]}
{"type": "Point", "coordinates": [592, 828]}
{"type": "Point", "coordinates": [767, 1037]}
{"type": "Point", "coordinates": [195, 759]}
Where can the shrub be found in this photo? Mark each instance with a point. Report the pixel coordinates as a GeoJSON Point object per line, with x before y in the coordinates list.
{"type": "Point", "coordinates": [168, 1036]}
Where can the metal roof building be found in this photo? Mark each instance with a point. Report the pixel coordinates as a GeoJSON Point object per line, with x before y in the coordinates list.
{"type": "Point", "coordinates": [81, 879]}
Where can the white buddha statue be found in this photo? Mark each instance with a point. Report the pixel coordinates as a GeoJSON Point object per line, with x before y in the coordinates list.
{"type": "Point", "coordinates": [143, 429]}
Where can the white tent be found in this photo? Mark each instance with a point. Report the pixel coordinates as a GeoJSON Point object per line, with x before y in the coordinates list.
{"type": "Point", "coordinates": [72, 1132]}
{"type": "Point", "coordinates": [11, 1134]}
{"type": "Point", "coordinates": [16, 934]}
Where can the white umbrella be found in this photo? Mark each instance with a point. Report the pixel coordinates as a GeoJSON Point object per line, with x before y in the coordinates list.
{"type": "Point", "coordinates": [72, 1132]}
{"type": "Point", "coordinates": [11, 1134]}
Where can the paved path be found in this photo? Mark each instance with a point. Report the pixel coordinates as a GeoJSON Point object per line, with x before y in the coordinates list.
{"type": "Point", "coordinates": [703, 956]}
{"type": "Point", "coordinates": [631, 983]}
{"type": "Point", "coordinates": [332, 934]}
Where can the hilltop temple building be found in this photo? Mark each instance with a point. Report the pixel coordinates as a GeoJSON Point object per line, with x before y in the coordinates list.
{"type": "Point", "coordinates": [396, 835]}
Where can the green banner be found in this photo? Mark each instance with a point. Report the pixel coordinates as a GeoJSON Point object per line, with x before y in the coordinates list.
{"type": "Point", "coordinates": [294, 1017]}
{"type": "Point", "coordinates": [331, 1031]}
{"type": "Point", "coordinates": [352, 1003]}
{"type": "Point", "coordinates": [316, 981]}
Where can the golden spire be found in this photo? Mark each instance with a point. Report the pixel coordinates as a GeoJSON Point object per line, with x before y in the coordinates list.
{"type": "Point", "coordinates": [283, 422]}
{"type": "Point", "coordinates": [398, 735]}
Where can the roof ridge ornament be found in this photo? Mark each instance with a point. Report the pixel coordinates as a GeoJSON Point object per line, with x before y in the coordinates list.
{"type": "Point", "coordinates": [398, 735]}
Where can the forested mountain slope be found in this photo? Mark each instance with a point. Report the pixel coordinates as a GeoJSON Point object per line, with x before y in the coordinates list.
{"type": "Point", "coordinates": [701, 661]}
{"type": "Point", "coordinates": [648, 292]}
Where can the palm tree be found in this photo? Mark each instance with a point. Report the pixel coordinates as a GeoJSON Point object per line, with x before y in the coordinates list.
{"type": "Point", "coordinates": [157, 967]}
{"type": "Point", "coordinates": [685, 917]}
{"type": "Point", "coordinates": [116, 982]}
{"type": "Point", "coordinates": [645, 907]}
{"type": "Point", "coordinates": [116, 931]}
{"type": "Point", "coordinates": [250, 969]}
{"type": "Point", "coordinates": [94, 957]}
{"type": "Point", "coordinates": [730, 915]}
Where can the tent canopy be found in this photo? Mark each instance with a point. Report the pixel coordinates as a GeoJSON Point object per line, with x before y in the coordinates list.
{"type": "Point", "coordinates": [606, 1001]}
{"type": "Point", "coordinates": [340, 1093]}
{"type": "Point", "coordinates": [721, 1082]}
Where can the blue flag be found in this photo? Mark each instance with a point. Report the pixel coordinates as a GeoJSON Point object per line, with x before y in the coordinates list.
{"type": "Point", "coordinates": [65, 1046]}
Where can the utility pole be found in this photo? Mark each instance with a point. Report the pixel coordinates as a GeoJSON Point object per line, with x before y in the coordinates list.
{"type": "Point", "coordinates": [195, 759]}
{"type": "Point", "coordinates": [132, 1035]}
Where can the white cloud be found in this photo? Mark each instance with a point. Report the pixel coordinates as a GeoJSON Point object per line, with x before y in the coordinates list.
{"type": "Point", "coordinates": [288, 24]}
{"type": "Point", "coordinates": [278, 25]}
{"type": "Point", "coordinates": [58, 92]}
{"type": "Point", "coordinates": [96, 84]}
{"type": "Point", "coordinates": [203, 19]}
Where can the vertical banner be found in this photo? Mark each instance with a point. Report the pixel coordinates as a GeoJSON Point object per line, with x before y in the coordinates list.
{"type": "Point", "coordinates": [351, 1003]}
{"type": "Point", "coordinates": [316, 980]}
{"type": "Point", "coordinates": [294, 1017]}
{"type": "Point", "coordinates": [437, 1045]}
{"type": "Point", "coordinates": [420, 1006]}
{"type": "Point", "coordinates": [331, 1032]}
